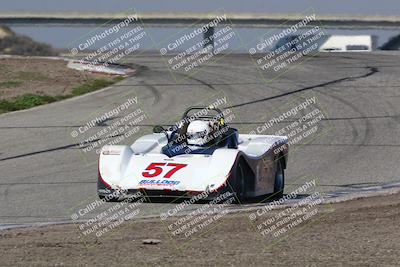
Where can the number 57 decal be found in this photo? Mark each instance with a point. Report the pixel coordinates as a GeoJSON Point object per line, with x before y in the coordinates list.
{"type": "Point", "coordinates": [155, 169]}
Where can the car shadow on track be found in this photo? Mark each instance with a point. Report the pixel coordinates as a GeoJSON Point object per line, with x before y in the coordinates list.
{"type": "Point", "coordinates": [247, 201]}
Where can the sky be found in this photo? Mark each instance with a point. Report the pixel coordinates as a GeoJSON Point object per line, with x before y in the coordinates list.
{"type": "Point", "coordinates": [361, 7]}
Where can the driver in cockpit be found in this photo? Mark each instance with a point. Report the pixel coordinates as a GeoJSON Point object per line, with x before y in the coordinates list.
{"type": "Point", "coordinates": [201, 137]}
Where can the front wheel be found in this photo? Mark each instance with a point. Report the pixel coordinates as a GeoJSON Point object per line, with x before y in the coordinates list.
{"type": "Point", "coordinates": [108, 198]}
{"type": "Point", "coordinates": [279, 180]}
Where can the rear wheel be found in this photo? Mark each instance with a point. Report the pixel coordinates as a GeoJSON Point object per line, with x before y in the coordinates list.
{"type": "Point", "coordinates": [240, 187]}
{"type": "Point", "coordinates": [279, 180]}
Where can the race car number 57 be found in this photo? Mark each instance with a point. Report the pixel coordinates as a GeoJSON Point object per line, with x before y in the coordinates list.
{"type": "Point", "coordinates": [155, 169]}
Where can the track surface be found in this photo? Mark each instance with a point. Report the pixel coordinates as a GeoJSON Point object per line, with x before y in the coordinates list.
{"type": "Point", "coordinates": [44, 177]}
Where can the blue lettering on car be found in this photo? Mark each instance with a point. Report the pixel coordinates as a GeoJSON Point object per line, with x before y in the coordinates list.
{"type": "Point", "coordinates": [159, 182]}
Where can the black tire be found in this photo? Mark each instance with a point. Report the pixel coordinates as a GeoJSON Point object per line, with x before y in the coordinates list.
{"type": "Point", "coordinates": [279, 184]}
{"type": "Point", "coordinates": [102, 187]}
{"type": "Point", "coordinates": [109, 198]}
{"type": "Point", "coordinates": [240, 187]}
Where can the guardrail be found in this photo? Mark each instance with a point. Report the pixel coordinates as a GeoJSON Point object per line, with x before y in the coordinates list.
{"type": "Point", "coordinates": [248, 20]}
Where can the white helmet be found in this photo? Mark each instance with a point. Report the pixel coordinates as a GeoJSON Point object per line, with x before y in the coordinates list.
{"type": "Point", "coordinates": [198, 133]}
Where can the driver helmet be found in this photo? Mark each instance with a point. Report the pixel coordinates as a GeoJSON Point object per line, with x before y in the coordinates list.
{"type": "Point", "coordinates": [198, 133]}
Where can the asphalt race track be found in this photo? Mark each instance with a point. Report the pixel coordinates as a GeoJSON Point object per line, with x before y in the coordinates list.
{"type": "Point", "coordinates": [46, 177]}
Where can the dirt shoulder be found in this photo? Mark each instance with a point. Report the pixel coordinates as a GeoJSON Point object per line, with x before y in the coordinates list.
{"type": "Point", "coordinates": [20, 76]}
{"type": "Point", "coordinates": [362, 232]}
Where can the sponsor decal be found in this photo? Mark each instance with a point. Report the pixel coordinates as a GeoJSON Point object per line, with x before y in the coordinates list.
{"type": "Point", "coordinates": [111, 152]}
{"type": "Point", "coordinates": [159, 182]}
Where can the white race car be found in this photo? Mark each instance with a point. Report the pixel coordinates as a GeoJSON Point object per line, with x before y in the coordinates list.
{"type": "Point", "coordinates": [200, 154]}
